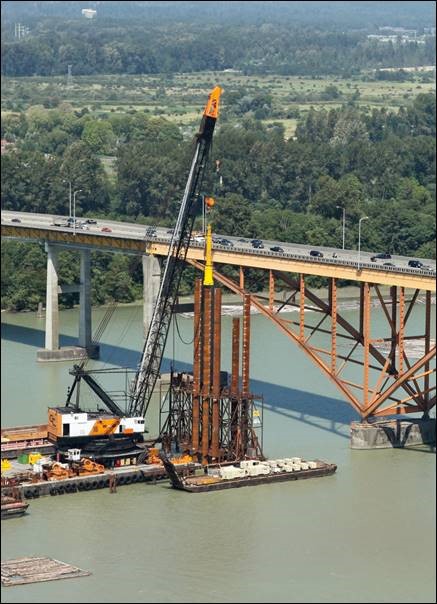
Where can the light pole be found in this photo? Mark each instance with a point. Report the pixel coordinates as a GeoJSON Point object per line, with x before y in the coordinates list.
{"type": "Point", "coordinates": [74, 210]}
{"type": "Point", "coordinates": [344, 222]}
{"type": "Point", "coordinates": [359, 238]}
{"type": "Point", "coordinates": [69, 197]}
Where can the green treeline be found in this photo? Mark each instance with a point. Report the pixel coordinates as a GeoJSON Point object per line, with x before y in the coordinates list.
{"type": "Point", "coordinates": [377, 163]}
{"type": "Point", "coordinates": [138, 47]}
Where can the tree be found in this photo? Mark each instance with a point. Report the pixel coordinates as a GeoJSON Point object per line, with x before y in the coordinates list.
{"type": "Point", "coordinates": [98, 135]}
{"type": "Point", "coordinates": [231, 215]}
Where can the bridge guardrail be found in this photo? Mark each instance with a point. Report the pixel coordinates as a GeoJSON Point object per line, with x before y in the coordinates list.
{"type": "Point", "coordinates": [261, 252]}
{"type": "Point", "coordinates": [338, 261]}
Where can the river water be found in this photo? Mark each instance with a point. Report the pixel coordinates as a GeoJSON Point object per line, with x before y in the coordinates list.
{"type": "Point", "coordinates": [366, 534]}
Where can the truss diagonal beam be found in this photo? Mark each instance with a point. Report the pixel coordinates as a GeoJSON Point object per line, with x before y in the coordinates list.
{"type": "Point", "coordinates": [227, 282]}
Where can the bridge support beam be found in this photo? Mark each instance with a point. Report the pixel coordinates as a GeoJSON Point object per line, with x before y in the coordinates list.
{"type": "Point", "coordinates": [151, 283]}
{"type": "Point", "coordinates": [86, 348]}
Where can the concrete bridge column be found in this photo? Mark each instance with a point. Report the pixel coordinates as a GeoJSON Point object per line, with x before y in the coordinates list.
{"type": "Point", "coordinates": [85, 330]}
{"type": "Point", "coordinates": [85, 348]}
{"type": "Point", "coordinates": [85, 334]}
{"type": "Point", "coordinates": [151, 283]}
{"type": "Point", "coordinates": [52, 309]}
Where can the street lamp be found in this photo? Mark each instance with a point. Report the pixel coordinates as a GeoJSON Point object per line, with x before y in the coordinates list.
{"type": "Point", "coordinates": [69, 197]}
{"type": "Point", "coordinates": [359, 238]}
{"type": "Point", "coordinates": [74, 210]}
{"type": "Point", "coordinates": [344, 221]}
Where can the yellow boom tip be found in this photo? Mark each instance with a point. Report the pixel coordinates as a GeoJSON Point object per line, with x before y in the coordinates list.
{"type": "Point", "coordinates": [212, 106]}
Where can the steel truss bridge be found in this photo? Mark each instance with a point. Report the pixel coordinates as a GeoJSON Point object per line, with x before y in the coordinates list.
{"type": "Point", "coordinates": [379, 374]}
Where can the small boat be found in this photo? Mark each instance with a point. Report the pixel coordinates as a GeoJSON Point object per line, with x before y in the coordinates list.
{"type": "Point", "coordinates": [247, 473]}
{"type": "Point", "coordinates": [12, 506]}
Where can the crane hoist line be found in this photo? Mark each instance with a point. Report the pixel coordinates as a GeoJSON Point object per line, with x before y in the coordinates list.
{"type": "Point", "coordinates": [149, 367]}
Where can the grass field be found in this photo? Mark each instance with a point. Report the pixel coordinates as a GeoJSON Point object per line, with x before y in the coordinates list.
{"type": "Point", "coordinates": [178, 97]}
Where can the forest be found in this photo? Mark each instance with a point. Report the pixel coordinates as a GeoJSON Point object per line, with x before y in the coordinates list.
{"type": "Point", "coordinates": [379, 163]}
{"type": "Point", "coordinates": [139, 48]}
{"type": "Point", "coordinates": [288, 38]}
{"type": "Point", "coordinates": [320, 112]}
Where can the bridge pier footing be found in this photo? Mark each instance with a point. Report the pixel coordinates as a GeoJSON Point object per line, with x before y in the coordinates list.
{"type": "Point", "coordinates": [393, 433]}
{"type": "Point", "coordinates": [86, 347]}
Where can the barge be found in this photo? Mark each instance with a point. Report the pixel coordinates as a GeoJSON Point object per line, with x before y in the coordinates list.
{"type": "Point", "coordinates": [247, 473]}
{"type": "Point", "coordinates": [12, 506]}
{"type": "Point", "coordinates": [116, 477]}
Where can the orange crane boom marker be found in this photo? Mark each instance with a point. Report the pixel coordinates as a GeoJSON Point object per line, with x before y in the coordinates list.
{"type": "Point", "coordinates": [212, 106]}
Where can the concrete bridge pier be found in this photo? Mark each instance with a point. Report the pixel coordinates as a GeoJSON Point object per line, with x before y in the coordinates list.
{"type": "Point", "coordinates": [393, 433]}
{"type": "Point", "coordinates": [86, 348]}
{"type": "Point", "coordinates": [151, 283]}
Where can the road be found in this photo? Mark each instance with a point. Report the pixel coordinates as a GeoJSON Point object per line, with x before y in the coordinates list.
{"type": "Point", "coordinates": [130, 230]}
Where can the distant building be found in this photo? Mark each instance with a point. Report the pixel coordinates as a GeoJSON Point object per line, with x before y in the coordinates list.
{"type": "Point", "coordinates": [5, 145]}
{"type": "Point", "coordinates": [89, 13]}
{"type": "Point", "coordinates": [397, 39]}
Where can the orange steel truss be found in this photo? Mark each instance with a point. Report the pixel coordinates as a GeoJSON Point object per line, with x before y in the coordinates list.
{"type": "Point", "coordinates": [380, 374]}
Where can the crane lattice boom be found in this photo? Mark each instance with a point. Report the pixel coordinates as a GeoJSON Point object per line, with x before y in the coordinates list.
{"type": "Point", "coordinates": [149, 367]}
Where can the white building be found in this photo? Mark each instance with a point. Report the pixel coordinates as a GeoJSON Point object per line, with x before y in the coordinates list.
{"type": "Point", "coordinates": [89, 13]}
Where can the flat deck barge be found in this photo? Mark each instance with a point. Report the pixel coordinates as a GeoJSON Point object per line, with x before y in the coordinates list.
{"type": "Point", "coordinates": [25, 439]}
{"type": "Point", "coordinates": [11, 507]}
{"type": "Point", "coordinates": [204, 483]}
{"type": "Point", "coordinates": [111, 478]}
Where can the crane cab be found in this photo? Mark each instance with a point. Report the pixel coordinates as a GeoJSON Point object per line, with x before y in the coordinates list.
{"type": "Point", "coordinates": [74, 427]}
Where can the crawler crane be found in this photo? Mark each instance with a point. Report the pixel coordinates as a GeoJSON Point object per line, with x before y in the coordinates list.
{"type": "Point", "coordinates": [69, 426]}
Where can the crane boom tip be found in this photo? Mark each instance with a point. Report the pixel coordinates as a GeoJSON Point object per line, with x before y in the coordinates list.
{"type": "Point", "coordinates": [212, 106]}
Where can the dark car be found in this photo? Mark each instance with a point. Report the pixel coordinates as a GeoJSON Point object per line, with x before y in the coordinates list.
{"type": "Point", "coordinates": [225, 242]}
{"type": "Point", "coordinates": [258, 245]}
{"type": "Point", "coordinates": [170, 231]}
{"type": "Point", "coordinates": [252, 241]}
{"type": "Point", "coordinates": [277, 248]}
{"type": "Point", "coordinates": [373, 259]}
{"type": "Point", "coordinates": [415, 263]}
{"type": "Point", "coordinates": [15, 220]}
{"type": "Point", "coordinates": [242, 240]}
{"type": "Point", "coordinates": [316, 253]}
{"type": "Point", "coordinates": [383, 256]}
{"type": "Point", "coordinates": [90, 221]}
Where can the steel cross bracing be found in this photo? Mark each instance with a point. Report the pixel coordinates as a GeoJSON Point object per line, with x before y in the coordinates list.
{"type": "Point", "coordinates": [369, 369]}
{"type": "Point", "coordinates": [148, 370]}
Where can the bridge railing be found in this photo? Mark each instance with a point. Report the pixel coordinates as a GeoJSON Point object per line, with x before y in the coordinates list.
{"type": "Point", "coordinates": [268, 253]}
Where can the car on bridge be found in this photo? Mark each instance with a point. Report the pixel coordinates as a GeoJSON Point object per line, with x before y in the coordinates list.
{"type": "Point", "coordinates": [15, 220]}
{"type": "Point", "coordinates": [257, 243]}
{"type": "Point", "coordinates": [316, 254]}
{"type": "Point", "coordinates": [106, 230]}
{"type": "Point", "coordinates": [382, 256]}
{"type": "Point", "coordinates": [277, 248]}
{"type": "Point", "coordinates": [90, 221]}
{"type": "Point", "coordinates": [415, 263]}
